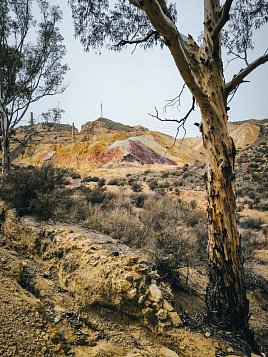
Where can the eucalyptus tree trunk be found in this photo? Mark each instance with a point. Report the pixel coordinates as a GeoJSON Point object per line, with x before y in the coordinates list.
{"type": "Point", "coordinates": [5, 144]}
{"type": "Point", "coordinates": [201, 69]}
{"type": "Point", "coordinates": [5, 154]}
{"type": "Point", "coordinates": [226, 293]}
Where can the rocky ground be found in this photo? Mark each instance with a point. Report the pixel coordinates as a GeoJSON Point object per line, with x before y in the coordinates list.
{"type": "Point", "coordinates": [68, 291]}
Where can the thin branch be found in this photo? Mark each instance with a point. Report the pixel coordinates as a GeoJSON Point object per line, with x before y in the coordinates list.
{"type": "Point", "coordinates": [237, 56]}
{"type": "Point", "coordinates": [28, 136]}
{"type": "Point", "coordinates": [232, 94]}
{"type": "Point", "coordinates": [223, 20]}
{"type": "Point", "coordinates": [172, 102]}
{"type": "Point", "coordinates": [137, 41]}
{"type": "Point", "coordinates": [181, 121]}
{"type": "Point", "coordinates": [239, 78]}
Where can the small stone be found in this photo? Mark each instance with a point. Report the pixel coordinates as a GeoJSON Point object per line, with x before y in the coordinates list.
{"type": "Point", "coordinates": [155, 293]}
{"type": "Point", "coordinates": [147, 303]}
{"type": "Point", "coordinates": [230, 350]}
{"type": "Point", "coordinates": [115, 254]}
{"type": "Point", "coordinates": [207, 334]}
{"type": "Point", "coordinates": [161, 314]}
{"type": "Point", "coordinates": [166, 352]}
{"type": "Point", "coordinates": [141, 268]}
{"type": "Point", "coordinates": [136, 277]}
{"type": "Point", "coordinates": [175, 319]}
{"type": "Point", "coordinates": [123, 285]}
{"type": "Point", "coordinates": [147, 312]}
{"type": "Point", "coordinates": [57, 318]}
{"type": "Point", "coordinates": [131, 294]}
{"type": "Point", "coordinates": [167, 306]}
{"type": "Point", "coordinates": [141, 299]}
{"type": "Point", "coordinates": [132, 260]}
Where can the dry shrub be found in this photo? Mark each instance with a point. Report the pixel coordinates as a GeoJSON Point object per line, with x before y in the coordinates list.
{"type": "Point", "coordinates": [34, 190]}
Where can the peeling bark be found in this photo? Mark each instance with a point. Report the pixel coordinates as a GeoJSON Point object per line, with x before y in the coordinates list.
{"type": "Point", "coordinates": [226, 293]}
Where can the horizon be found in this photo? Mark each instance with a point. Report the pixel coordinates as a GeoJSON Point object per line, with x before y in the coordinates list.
{"type": "Point", "coordinates": [238, 122]}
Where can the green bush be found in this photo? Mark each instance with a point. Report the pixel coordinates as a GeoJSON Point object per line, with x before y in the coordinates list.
{"type": "Point", "coordinates": [193, 204]}
{"type": "Point", "coordinates": [153, 184]}
{"type": "Point", "coordinates": [75, 176]}
{"type": "Point", "coordinates": [247, 242]}
{"type": "Point", "coordinates": [170, 254]}
{"type": "Point", "coordinates": [136, 186]}
{"type": "Point", "coordinates": [90, 179]}
{"type": "Point", "coordinates": [114, 182]}
{"type": "Point", "coordinates": [23, 188]}
{"type": "Point", "coordinates": [170, 233]}
{"type": "Point", "coordinates": [185, 167]}
{"type": "Point", "coordinates": [101, 182]}
{"type": "Point", "coordinates": [44, 205]}
{"type": "Point", "coordinates": [138, 199]}
{"type": "Point", "coordinates": [99, 196]}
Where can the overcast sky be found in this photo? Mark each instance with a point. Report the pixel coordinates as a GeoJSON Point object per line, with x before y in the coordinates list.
{"type": "Point", "coordinates": [130, 86]}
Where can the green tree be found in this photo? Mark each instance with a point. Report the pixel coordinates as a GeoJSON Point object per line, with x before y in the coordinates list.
{"type": "Point", "coordinates": [31, 53]}
{"type": "Point", "coordinates": [53, 115]}
{"type": "Point", "coordinates": [229, 23]}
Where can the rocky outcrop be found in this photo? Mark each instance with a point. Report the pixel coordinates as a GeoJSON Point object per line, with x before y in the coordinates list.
{"type": "Point", "coordinates": [97, 270]}
{"type": "Point", "coordinates": [118, 282]}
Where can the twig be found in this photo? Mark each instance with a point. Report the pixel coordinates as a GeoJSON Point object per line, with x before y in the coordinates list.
{"type": "Point", "coordinates": [172, 102]}
{"type": "Point", "coordinates": [138, 40]}
{"type": "Point", "coordinates": [181, 122]}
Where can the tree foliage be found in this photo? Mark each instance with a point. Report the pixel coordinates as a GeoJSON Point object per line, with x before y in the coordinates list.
{"type": "Point", "coordinates": [53, 115]}
{"type": "Point", "coordinates": [31, 53]}
{"type": "Point", "coordinates": [107, 24]}
{"type": "Point", "coordinates": [245, 17]}
{"type": "Point", "coordinates": [114, 24]}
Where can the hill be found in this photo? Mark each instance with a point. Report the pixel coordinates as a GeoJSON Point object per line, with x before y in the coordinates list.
{"type": "Point", "coordinates": [104, 145]}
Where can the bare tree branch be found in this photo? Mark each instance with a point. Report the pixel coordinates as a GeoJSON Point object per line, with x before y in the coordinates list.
{"type": "Point", "coordinates": [238, 79]}
{"type": "Point", "coordinates": [177, 99]}
{"type": "Point", "coordinates": [137, 41]}
{"type": "Point", "coordinates": [237, 56]}
{"type": "Point", "coordinates": [223, 20]}
{"type": "Point", "coordinates": [181, 121]}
